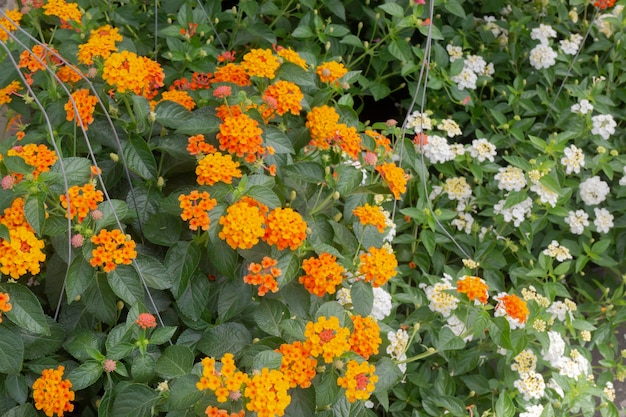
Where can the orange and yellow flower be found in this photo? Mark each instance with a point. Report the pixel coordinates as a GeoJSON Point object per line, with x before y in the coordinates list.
{"type": "Point", "coordinates": [513, 308]}
{"type": "Point", "coordinates": [371, 215]}
{"type": "Point", "coordinates": [292, 56]}
{"type": "Point", "coordinates": [285, 228]}
{"type": "Point", "coordinates": [218, 412]}
{"type": "Point", "coordinates": [267, 394]}
{"type": "Point", "coordinates": [8, 91]}
{"type": "Point", "coordinates": [14, 215]}
{"type": "Point", "coordinates": [232, 73]}
{"type": "Point", "coordinates": [196, 145]}
{"type": "Point", "coordinates": [37, 156]}
{"type": "Point", "coordinates": [223, 380]}
{"type": "Point", "coordinates": [331, 71]}
{"type": "Point", "coordinates": [85, 104]}
{"type": "Point", "coordinates": [365, 338]}
{"type": "Point", "coordinates": [52, 393]}
{"type": "Point", "coordinates": [128, 72]}
{"type": "Point", "coordinates": [241, 135]}
{"type": "Point", "coordinates": [22, 253]}
{"type": "Point", "coordinates": [196, 207]}
{"type": "Point", "coordinates": [297, 364]}
{"type": "Point", "coordinates": [260, 63]}
{"type": "Point", "coordinates": [69, 74]}
{"type": "Point", "coordinates": [264, 275]}
{"type": "Point", "coordinates": [64, 11]}
{"type": "Point", "coordinates": [6, 27]}
{"type": "Point", "coordinates": [383, 144]}
{"type": "Point", "coordinates": [395, 178]}
{"type": "Point", "coordinates": [348, 140]}
{"type": "Point", "coordinates": [323, 274]}
{"type": "Point", "coordinates": [322, 123]}
{"type": "Point", "coordinates": [101, 44]}
{"type": "Point", "coordinates": [5, 305]}
{"type": "Point", "coordinates": [475, 288]}
{"type": "Point", "coordinates": [242, 226]}
{"type": "Point", "coordinates": [31, 59]}
{"type": "Point", "coordinates": [113, 248]}
{"type": "Point", "coordinates": [215, 167]}
{"type": "Point", "coordinates": [146, 321]}
{"type": "Point", "coordinates": [378, 265]}
{"type": "Point", "coordinates": [83, 199]}
{"type": "Point", "coordinates": [359, 380]}
{"type": "Point", "coordinates": [181, 97]}
{"type": "Point", "coordinates": [327, 338]}
{"type": "Point", "coordinates": [286, 96]}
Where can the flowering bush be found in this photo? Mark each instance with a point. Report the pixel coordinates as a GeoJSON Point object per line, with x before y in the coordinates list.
{"type": "Point", "coordinates": [198, 218]}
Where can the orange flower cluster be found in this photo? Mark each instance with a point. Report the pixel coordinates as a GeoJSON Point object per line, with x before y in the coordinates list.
{"type": "Point", "coordinates": [395, 178]}
{"type": "Point", "coordinates": [260, 63]}
{"type": "Point", "coordinates": [297, 364]}
{"type": "Point", "coordinates": [198, 146]}
{"type": "Point", "coordinates": [232, 73]}
{"type": "Point", "coordinates": [285, 228]}
{"type": "Point", "coordinates": [365, 338]}
{"type": "Point", "coordinates": [69, 74]}
{"type": "Point", "coordinates": [64, 11]}
{"type": "Point", "coordinates": [14, 215]}
{"type": "Point", "coordinates": [378, 266]}
{"type": "Point", "coordinates": [85, 104]}
{"type": "Point", "coordinates": [8, 91]}
{"type": "Point", "coordinates": [5, 305]}
{"type": "Point", "coordinates": [267, 394]}
{"type": "Point", "coordinates": [146, 321]}
{"type": "Point", "coordinates": [217, 412]}
{"type": "Point", "coordinates": [359, 380]}
{"type": "Point", "coordinates": [323, 274]}
{"type": "Point", "coordinates": [292, 56]}
{"type": "Point", "coordinates": [181, 97]}
{"type": "Point", "coordinates": [6, 27]}
{"type": "Point", "coordinates": [128, 72]}
{"type": "Point", "coordinates": [348, 140]}
{"type": "Point", "coordinates": [382, 142]}
{"type": "Point", "coordinates": [52, 393]}
{"type": "Point", "coordinates": [82, 200]}
{"type": "Point", "coordinates": [196, 207]}
{"type": "Point", "coordinates": [513, 307]}
{"type": "Point", "coordinates": [474, 287]}
{"type": "Point", "coordinates": [372, 215]}
{"type": "Point", "coordinates": [242, 226]}
{"type": "Point", "coordinates": [223, 381]}
{"type": "Point", "coordinates": [327, 338]}
{"type": "Point", "coordinates": [264, 275]}
{"type": "Point", "coordinates": [604, 4]}
{"type": "Point", "coordinates": [321, 122]}
{"type": "Point", "coordinates": [30, 59]}
{"type": "Point", "coordinates": [330, 72]}
{"type": "Point", "coordinates": [37, 156]}
{"type": "Point", "coordinates": [21, 253]}
{"type": "Point", "coordinates": [101, 43]}
{"type": "Point", "coordinates": [286, 95]}
{"type": "Point", "coordinates": [241, 135]}
{"type": "Point", "coordinates": [113, 248]}
{"type": "Point", "coordinates": [215, 167]}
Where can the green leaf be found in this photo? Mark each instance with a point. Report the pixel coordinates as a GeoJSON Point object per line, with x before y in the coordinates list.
{"type": "Point", "coordinates": [79, 277]}
{"type": "Point", "coordinates": [11, 351]}
{"type": "Point", "coordinates": [38, 345]}
{"type": "Point", "coordinates": [388, 374]}
{"type": "Point", "coordinates": [297, 75]}
{"type": "Point", "coordinates": [362, 298]}
{"type": "Point", "coordinates": [101, 301]}
{"type": "Point", "coordinates": [227, 337]}
{"type": "Point", "coordinates": [269, 359]}
{"type": "Point", "coordinates": [24, 410]}
{"type": "Point", "coordinates": [235, 297]}
{"type": "Point", "coordinates": [139, 158]}
{"type": "Point", "coordinates": [393, 9]}
{"type": "Point", "coordinates": [125, 283]}
{"type": "Point", "coordinates": [181, 260]}
{"type": "Point", "coordinates": [379, 90]}
{"type": "Point", "coordinates": [455, 8]}
{"type": "Point", "coordinates": [451, 404]}
{"type": "Point", "coordinates": [302, 32]}
{"type": "Point", "coordinates": [161, 335]}
{"type": "Point", "coordinates": [153, 272]}
{"type": "Point", "coordinates": [505, 406]}
{"type": "Point", "coordinates": [85, 375]}
{"type": "Point", "coordinates": [141, 110]}
{"type": "Point", "coordinates": [223, 257]}
{"type": "Point", "coordinates": [183, 392]}
{"type": "Point", "coordinates": [171, 114]}
{"type": "Point", "coordinates": [277, 139]}
{"type": "Point", "coordinates": [35, 211]}
{"type": "Point", "coordinates": [348, 179]}
{"type": "Point", "coordinates": [110, 210]}
{"type": "Point", "coordinates": [17, 164]}
{"type": "Point", "coordinates": [269, 316]}
{"type": "Point", "coordinates": [176, 361]}
{"type": "Point", "coordinates": [447, 340]}
{"type": "Point", "coordinates": [26, 310]}
{"type": "Point", "coordinates": [326, 390]}
{"type": "Point", "coordinates": [133, 400]}
{"type": "Point", "coordinates": [142, 368]}
{"type": "Point", "coordinates": [306, 171]}
{"type": "Point", "coordinates": [332, 309]}
{"type": "Point", "coordinates": [264, 195]}
{"type": "Point", "coordinates": [4, 232]}
{"type": "Point", "coordinates": [16, 387]}
{"type": "Point", "coordinates": [194, 297]}
{"type": "Point", "coordinates": [302, 403]}
{"type": "Point", "coordinates": [428, 240]}
{"type": "Point", "coordinates": [163, 229]}
{"type": "Point", "coordinates": [84, 345]}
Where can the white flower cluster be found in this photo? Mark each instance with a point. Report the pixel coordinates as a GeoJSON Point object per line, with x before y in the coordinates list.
{"type": "Point", "coordinates": [577, 221]}
{"type": "Point", "coordinates": [603, 125]}
{"type": "Point", "coordinates": [516, 213]}
{"type": "Point", "coordinates": [497, 31]}
{"type": "Point", "coordinates": [510, 178]}
{"type": "Point", "coordinates": [546, 195]}
{"type": "Point", "coordinates": [532, 411]}
{"type": "Point", "coordinates": [573, 366]}
{"type": "Point", "coordinates": [530, 385]}
{"type": "Point", "coordinates": [582, 107]}
{"type": "Point", "coordinates": [440, 300]}
{"type": "Point", "coordinates": [603, 22]}
{"type": "Point", "coordinates": [390, 225]}
{"type": "Point", "coordinates": [457, 188]}
{"type": "Point", "coordinates": [455, 52]}
{"type": "Point", "coordinates": [458, 328]}
{"type": "Point", "coordinates": [463, 222]}
{"type": "Point", "coordinates": [542, 55]}
{"type": "Point", "coordinates": [398, 344]}
{"type": "Point", "coordinates": [555, 250]}
{"type": "Point", "coordinates": [482, 150]}
{"type": "Point", "coordinates": [381, 307]}
{"type": "Point", "coordinates": [573, 160]}
{"type": "Point", "coordinates": [603, 220]}
{"type": "Point", "coordinates": [543, 33]}
{"type": "Point", "coordinates": [451, 127]}
{"type": "Point", "coordinates": [570, 46]}
{"type": "Point", "coordinates": [593, 191]}
{"type": "Point", "coordinates": [473, 67]}
{"type": "Point", "coordinates": [419, 122]}
{"type": "Point", "coordinates": [560, 311]}
{"type": "Point", "coordinates": [437, 150]}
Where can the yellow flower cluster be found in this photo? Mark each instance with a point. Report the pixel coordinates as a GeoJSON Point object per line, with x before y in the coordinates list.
{"type": "Point", "coordinates": [365, 338]}
{"type": "Point", "coordinates": [323, 274]}
{"type": "Point", "coordinates": [196, 207]}
{"type": "Point", "coordinates": [297, 364]}
{"type": "Point", "coordinates": [9, 90]}
{"type": "Point", "coordinates": [264, 275]}
{"type": "Point", "coordinates": [371, 215]}
{"type": "Point", "coordinates": [128, 72]}
{"type": "Point", "coordinates": [285, 228]}
{"type": "Point", "coordinates": [14, 215]}
{"type": "Point", "coordinates": [181, 97]}
{"type": "Point", "coordinates": [37, 156]}
{"type": "Point", "coordinates": [221, 381]}
{"type": "Point", "coordinates": [21, 253]}
{"type": "Point", "coordinates": [5, 305]}
{"type": "Point", "coordinates": [285, 96]}
{"type": "Point", "coordinates": [331, 71]}
{"type": "Point", "coordinates": [241, 135]}
{"type": "Point", "coordinates": [216, 412]}
{"type": "Point", "coordinates": [215, 167]}
{"type": "Point", "coordinates": [326, 131]}
{"type": "Point", "coordinates": [52, 393]}
{"type": "Point", "coordinates": [6, 27]}
{"type": "Point", "coordinates": [260, 63]}
{"type": "Point", "coordinates": [101, 43]}
{"type": "Point", "coordinates": [62, 10]}
{"type": "Point", "coordinates": [69, 74]}
{"type": "Point", "coordinates": [242, 226]}
{"type": "Point", "coordinates": [113, 248]}
{"type": "Point", "coordinates": [232, 73]}
{"type": "Point", "coordinates": [292, 56]}
{"type": "Point", "coordinates": [85, 104]}
{"type": "Point", "coordinates": [395, 178]}
{"type": "Point", "coordinates": [474, 287]}
{"type": "Point", "coordinates": [378, 266]}
{"type": "Point", "coordinates": [359, 380]}
{"type": "Point", "coordinates": [82, 200]}
{"type": "Point", "coordinates": [327, 338]}
{"type": "Point", "coordinates": [196, 145]}
{"type": "Point", "coordinates": [267, 394]}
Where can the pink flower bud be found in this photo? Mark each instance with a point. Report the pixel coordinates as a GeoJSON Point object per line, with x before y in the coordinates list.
{"type": "Point", "coordinates": [78, 240]}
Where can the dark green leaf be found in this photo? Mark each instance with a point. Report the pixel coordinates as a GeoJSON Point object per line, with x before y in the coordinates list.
{"type": "Point", "coordinates": [125, 284]}
{"type": "Point", "coordinates": [84, 345]}
{"type": "Point", "coordinates": [235, 297]}
{"type": "Point", "coordinates": [362, 298]}
{"type": "Point", "coordinates": [176, 361]}
{"type": "Point", "coordinates": [388, 374]}
{"type": "Point", "coordinates": [142, 368]}
{"type": "Point", "coordinates": [11, 351]}
{"type": "Point", "coordinates": [447, 340]}
{"type": "Point", "coordinates": [181, 260]}
{"type": "Point", "coordinates": [295, 74]}
{"type": "Point", "coordinates": [110, 210]}
{"type": "Point", "coordinates": [16, 387]}
{"type": "Point", "coordinates": [85, 375]}
{"type": "Point", "coordinates": [24, 410]}
{"type": "Point", "coordinates": [269, 359]}
{"type": "Point", "coordinates": [162, 335]}
{"type": "Point", "coordinates": [505, 406]}
{"type": "Point", "coordinates": [35, 211]}
{"type": "Point", "coordinates": [26, 312]}
{"type": "Point", "coordinates": [183, 392]}
{"type": "Point", "coordinates": [228, 337]}
{"type": "Point", "coordinates": [101, 301]}
{"type": "Point", "coordinates": [326, 390]}
{"type": "Point", "coordinates": [393, 9]}
{"type": "Point", "coordinates": [79, 277]}
{"type": "Point", "coordinates": [194, 297]}
{"type": "Point", "coordinates": [38, 345]}
{"type": "Point", "coordinates": [171, 114]}
{"type": "Point", "coordinates": [134, 400]}
{"type": "Point", "coordinates": [222, 257]}
{"type": "Point", "coordinates": [153, 272]}
{"type": "Point", "coordinates": [163, 229]}
{"type": "Point", "coordinates": [139, 158]}
{"type": "Point", "coordinates": [269, 316]}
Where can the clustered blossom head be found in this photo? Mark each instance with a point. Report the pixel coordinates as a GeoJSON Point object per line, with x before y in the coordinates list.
{"type": "Point", "coordinates": [555, 250]}
{"type": "Point", "coordinates": [112, 248]}
{"type": "Point", "coordinates": [146, 321]}
{"type": "Point", "coordinates": [365, 338]}
{"type": "Point", "coordinates": [285, 228]}
{"type": "Point", "coordinates": [215, 167]}
{"type": "Point", "coordinates": [326, 131]}
{"type": "Point", "coordinates": [196, 207]}
{"type": "Point", "coordinates": [525, 361]}
{"type": "Point", "coordinates": [394, 177]}
{"type": "Point", "coordinates": [325, 337]}
{"type": "Point", "coordinates": [64, 11]}
{"type": "Point", "coordinates": [510, 178]}
{"type": "Point", "coordinates": [223, 381]}
{"type": "Point", "coordinates": [457, 188]}
{"type": "Point", "coordinates": [212, 411]}
{"type": "Point", "coordinates": [582, 107]}
{"type": "Point", "coordinates": [439, 297]}
{"type": "Point", "coordinates": [359, 380]}
{"type": "Point", "coordinates": [297, 364]}
{"type": "Point", "coordinates": [52, 393]}
{"type": "Point", "coordinates": [603, 125]}
{"type": "Point", "coordinates": [513, 308]}
{"type": "Point", "coordinates": [322, 274]}
{"type": "Point", "coordinates": [5, 305]}
{"type": "Point", "coordinates": [264, 275]}
{"type": "Point", "coordinates": [21, 253]}
{"type": "Point", "coordinates": [266, 392]}
{"type": "Point", "coordinates": [593, 191]}
{"type": "Point", "coordinates": [378, 265]}
{"type": "Point", "coordinates": [331, 71]}
{"type": "Point", "coordinates": [37, 156]}
{"type": "Point", "coordinates": [6, 27]}
{"type": "Point", "coordinates": [573, 160]}
{"type": "Point", "coordinates": [603, 220]}
{"type": "Point", "coordinates": [101, 43]}
{"type": "Point", "coordinates": [475, 288]}
{"type": "Point", "coordinates": [531, 385]}
{"type": "Point", "coordinates": [241, 135]}
{"type": "Point", "coordinates": [242, 225]}
{"type": "Point", "coordinates": [371, 215]}
{"type": "Point", "coordinates": [398, 345]}
{"type": "Point", "coordinates": [197, 146]}
{"type": "Point", "coordinates": [260, 63]}
{"type": "Point", "coordinates": [482, 150]}
{"type": "Point", "coordinates": [577, 221]}
{"type": "Point", "coordinates": [232, 73]}
{"type": "Point", "coordinates": [83, 199]}
{"type": "Point", "coordinates": [437, 149]}
{"type": "Point", "coordinates": [451, 127]}
{"type": "Point", "coordinates": [571, 45]}
{"type": "Point", "coordinates": [129, 72]}
{"type": "Point", "coordinates": [286, 96]}
{"type": "Point", "coordinates": [516, 213]}
{"type": "Point", "coordinates": [292, 56]}
{"type": "Point", "coordinates": [6, 92]}
{"type": "Point", "coordinates": [181, 97]}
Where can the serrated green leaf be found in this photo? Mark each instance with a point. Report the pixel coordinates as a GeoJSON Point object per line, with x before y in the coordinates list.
{"type": "Point", "coordinates": [326, 390]}
{"type": "Point", "coordinates": [139, 159]}
{"type": "Point", "coordinates": [455, 8]}
{"type": "Point", "coordinates": [183, 391]}
{"type": "Point", "coordinates": [84, 345]}
{"type": "Point", "coordinates": [125, 283]}
{"type": "Point", "coordinates": [38, 345]}
{"type": "Point", "coordinates": [100, 300]}
{"type": "Point", "coordinates": [133, 400]}
{"type": "Point", "coordinates": [447, 340]}
{"type": "Point", "coordinates": [79, 277]}
{"type": "Point", "coordinates": [110, 210]}
{"type": "Point", "coordinates": [224, 338]}
{"type": "Point", "coordinates": [223, 257]}
{"type": "Point", "coordinates": [35, 211]}
{"type": "Point", "coordinates": [269, 359]}
{"type": "Point", "coordinates": [24, 410]}
{"type": "Point", "coordinates": [269, 316]}
{"type": "Point", "coordinates": [171, 114]}
{"type": "Point", "coordinates": [505, 406]}
{"type": "Point", "coordinates": [11, 351]}
{"type": "Point", "coordinates": [85, 375]}
{"type": "Point", "coordinates": [392, 9]}
{"type": "Point", "coordinates": [295, 74]}
{"type": "Point", "coordinates": [181, 261]}
{"type": "Point", "coordinates": [193, 299]}
{"type": "Point", "coordinates": [163, 229]}
{"type": "Point", "coordinates": [26, 310]}
{"type": "Point", "coordinates": [162, 335]}
{"type": "Point", "coordinates": [153, 272]}
{"type": "Point", "coordinates": [362, 298]}
{"type": "Point", "coordinates": [235, 297]}
{"type": "Point", "coordinates": [175, 362]}
{"type": "Point", "coordinates": [16, 386]}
